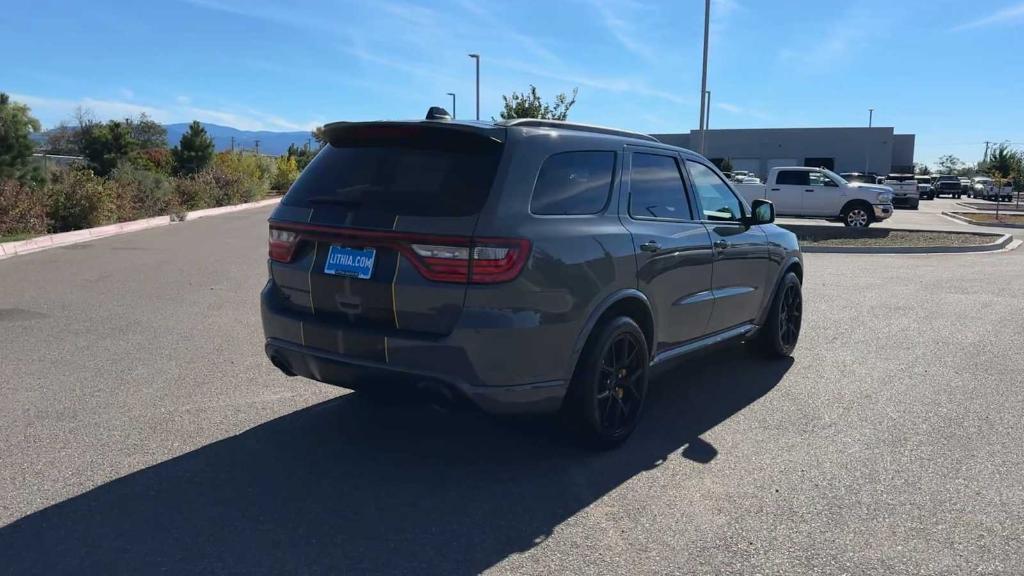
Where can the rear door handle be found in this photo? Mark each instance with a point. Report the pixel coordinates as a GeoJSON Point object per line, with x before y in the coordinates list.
{"type": "Point", "coordinates": [808, 189]}
{"type": "Point", "coordinates": [775, 189]}
{"type": "Point", "coordinates": [650, 246]}
{"type": "Point", "coordinates": [721, 244]}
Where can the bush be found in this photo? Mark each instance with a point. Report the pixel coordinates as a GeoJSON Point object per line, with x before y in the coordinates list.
{"type": "Point", "coordinates": [141, 193]}
{"type": "Point", "coordinates": [241, 177]}
{"type": "Point", "coordinates": [22, 208]}
{"type": "Point", "coordinates": [195, 192]}
{"type": "Point", "coordinates": [153, 160]}
{"type": "Point", "coordinates": [79, 199]}
{"type": "Point", "coordinates": [286, 173]}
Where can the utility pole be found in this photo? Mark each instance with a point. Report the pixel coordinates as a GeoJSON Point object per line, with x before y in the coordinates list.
{"type": "Point", "coordinates": [477, 58]}
{"type": "Point", "coordinates": [704, 70]}
{"type": "Point", "coordinates": [985, 158]}
{"type": "Point", "coordinates": [871, 116]}
{"type": "Point", "coordinates": [232, 144]}
{"type": "Point", "coordinates": [452, 94]}
{"type": "Point", "coordinates": [257, 147]}
{"type": "Point", "coordinates": [308, 143]}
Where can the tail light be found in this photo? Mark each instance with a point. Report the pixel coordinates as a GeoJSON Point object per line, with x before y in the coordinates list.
{"type": "Point", "coordinates": [478, 261]}
{"type": "Point", "coordinates": [459, 260]}
{"type": "Point", "coordinates": [282, 244]}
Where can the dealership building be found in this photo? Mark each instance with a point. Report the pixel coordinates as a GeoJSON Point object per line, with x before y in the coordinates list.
{"type": "Point", "coordinates": [758, 150]}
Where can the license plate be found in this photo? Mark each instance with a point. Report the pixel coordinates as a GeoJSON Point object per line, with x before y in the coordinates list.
{"type": "Point", "coordinates": [353, 262]}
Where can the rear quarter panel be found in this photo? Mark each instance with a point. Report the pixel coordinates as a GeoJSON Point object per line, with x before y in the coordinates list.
{"type": "Point", "coordinates": [576, 262]}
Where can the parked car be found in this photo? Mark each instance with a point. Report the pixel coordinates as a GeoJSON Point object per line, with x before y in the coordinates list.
{"type": "Point", "coordinates": [820, 193]}
{"type": "Point", "coordinates": [860, 178]}
{"type": "Point", "coordinates": [984, 188]}
{"type": "Point", "coordinates": [946, 184]}
{"type": "Point", "coordinates": [524, 265]}
{"type": "Point", "coordinates": [904, 190]}
{"type": "Point", "coordinates": [965, 187]}
{"type": "Point", "coordinates": [924, 187]}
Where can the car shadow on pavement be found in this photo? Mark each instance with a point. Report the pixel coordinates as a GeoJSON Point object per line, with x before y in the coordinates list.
{"type": "Point", "coordinates": [351, 488]}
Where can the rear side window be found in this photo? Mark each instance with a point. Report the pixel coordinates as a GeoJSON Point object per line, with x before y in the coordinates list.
{"type": "Point", "coordinates": [426, 173]}
{"type": "Point", "coordinates": [573, 183]}
{"type": "Point", "coordinates": [656, 188]}
{"type": "Point", "coordinates": [793, 178]}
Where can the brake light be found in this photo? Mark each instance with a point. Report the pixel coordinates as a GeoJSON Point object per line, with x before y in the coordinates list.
{"type": "Point", "coordinates": [282, 244]}
{"type": "Point", "coordinates": [477, 262]}
{"type": "Point", "coordinates": [455, 259]}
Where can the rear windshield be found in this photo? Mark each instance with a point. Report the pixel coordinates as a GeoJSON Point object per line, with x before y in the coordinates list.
{"type": "Point", "coordinates": [419, 173]}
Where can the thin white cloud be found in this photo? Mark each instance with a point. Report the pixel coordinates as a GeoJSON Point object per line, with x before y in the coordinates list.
{"type": "Point", "coordinates": [180, 111]}
{"type": "Point", "coordinates": [607, 84]}
{"type": "Point", "coordinates": [740, 110]}
{"type": "Point", "coordinates": [616, 17]}
{"type": "Point", "coordinates": [1007, 16]}
{"type": "Point", "coordinates": [847, 33]}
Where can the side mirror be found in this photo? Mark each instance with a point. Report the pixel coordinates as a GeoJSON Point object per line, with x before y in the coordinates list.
{"type": "Point", "coordinates": [762, 212]}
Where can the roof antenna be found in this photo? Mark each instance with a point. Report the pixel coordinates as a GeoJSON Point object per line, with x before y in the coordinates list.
{"type": "Point", "coordinates": [438, 113]}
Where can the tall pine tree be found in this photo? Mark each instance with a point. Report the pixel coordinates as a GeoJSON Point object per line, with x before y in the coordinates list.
{"type": "Point", "coordinates": [195, 150]}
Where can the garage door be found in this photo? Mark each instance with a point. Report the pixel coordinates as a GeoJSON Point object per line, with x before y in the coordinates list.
{"type": "Point", "coordinates": [778, 162]}
{"type": "Point", "coordinates": [748, 164]}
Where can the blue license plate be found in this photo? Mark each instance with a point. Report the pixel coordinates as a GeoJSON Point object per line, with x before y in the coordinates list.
{"type": "Point", "coordinates": [353, 262]}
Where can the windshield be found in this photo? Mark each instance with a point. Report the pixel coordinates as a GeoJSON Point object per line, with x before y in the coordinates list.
{"type": "Point", "coordinates": [839, 179]}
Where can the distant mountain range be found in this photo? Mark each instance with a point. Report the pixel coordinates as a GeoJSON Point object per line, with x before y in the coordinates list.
{"type": "Point", "coordinates": [274, 143]}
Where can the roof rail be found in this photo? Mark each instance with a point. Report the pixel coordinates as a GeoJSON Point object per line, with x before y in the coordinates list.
{"type": "Point", "coordinates": [538, 123]}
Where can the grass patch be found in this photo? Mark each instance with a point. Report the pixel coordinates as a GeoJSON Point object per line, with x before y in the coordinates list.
{"type": "Point", "coordinates": [16, 237]}
{"type": "Point", "coordinates": [990, 218]}
{"type": "Point", "coordinates": [881, 237]}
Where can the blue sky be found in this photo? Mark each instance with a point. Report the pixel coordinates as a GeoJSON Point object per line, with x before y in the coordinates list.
{"type": "Point", "coordinates": [951, 72]}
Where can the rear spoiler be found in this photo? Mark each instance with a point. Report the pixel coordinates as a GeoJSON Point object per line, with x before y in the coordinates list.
{"type": "Point", "coordinates": [342, 134]}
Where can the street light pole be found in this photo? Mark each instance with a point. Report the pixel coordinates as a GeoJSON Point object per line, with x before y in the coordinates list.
{"type": "Point", "coordinates": [704, 71]}
{"type": "Point", "coordinates": [452, 94]}
{"type": "Point", "coordinates": [477, 58]}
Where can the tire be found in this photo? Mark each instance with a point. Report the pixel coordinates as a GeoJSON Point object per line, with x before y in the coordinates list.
{"type": "Point", "coordinates": [781, 331]}
{"type": "Point", "coordinates": [857, 215]}
{"type": "Point", "coordinates": [609, 386]}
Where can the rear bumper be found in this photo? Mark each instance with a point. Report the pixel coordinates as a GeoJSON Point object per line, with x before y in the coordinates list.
{"type": "Point", "coordinates": [347, 372]}
{"type": "Point", "coordinates": [906, 201]}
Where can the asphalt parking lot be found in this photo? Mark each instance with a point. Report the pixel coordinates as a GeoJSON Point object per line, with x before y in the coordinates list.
{"type": "Point", "coordinates": [143, 430]}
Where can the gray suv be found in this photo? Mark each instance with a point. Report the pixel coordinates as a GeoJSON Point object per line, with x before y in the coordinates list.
{"type": "Point", "coordinates": [524, 265]}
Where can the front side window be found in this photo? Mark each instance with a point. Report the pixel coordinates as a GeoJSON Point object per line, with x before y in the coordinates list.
{"type": "Point", "coordinates": [820, 179]}
{"type": "Point", "coordinates": [793, 178]}
{"type": "Point", "coordinates": [716, 198]}
{"type": "Point", "coordinates": [573, 183]}
{"type": "Point", "coordinates": [656, 188]}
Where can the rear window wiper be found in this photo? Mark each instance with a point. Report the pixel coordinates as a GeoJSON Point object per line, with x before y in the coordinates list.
{"type": "Point", "coordinates": [334, 200]}
{"type": "Point", "coordinates": [345, 196]}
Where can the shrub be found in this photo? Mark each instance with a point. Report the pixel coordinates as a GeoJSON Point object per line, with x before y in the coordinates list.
{"type": "Point", "coordinates": [140, 193]}
{"type": "Point", "coordinates": [195, 192]}
{"type": "Point", "coordinates": [153, 160]}
{"type": "Point", "coordinates": [286, 173]}
{"type": "Point", "coordinates": [22, 208]}
{"type": "Point", "coordinates": [241, 177]}
{"type": "Point", "coordinates": [79, 199]}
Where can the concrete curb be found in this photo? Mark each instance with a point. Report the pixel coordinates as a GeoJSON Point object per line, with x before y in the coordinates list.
{"type": "Point", "coordinates": [8, 249]}
{"type": "Point", "coordinates": [957, 216]}
{"type": "Point", "coordinates": [1000, 242]}
{"type": "Point", "coordinates": [197, 214]}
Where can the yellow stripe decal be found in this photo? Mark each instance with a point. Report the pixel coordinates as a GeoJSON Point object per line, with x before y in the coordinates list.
{"type": "Point", "coordinates": [309, 277]}
{"type": "Point", "coordinates": [394, 280]}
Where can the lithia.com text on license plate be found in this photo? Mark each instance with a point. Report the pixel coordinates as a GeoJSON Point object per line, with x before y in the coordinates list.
{"type": "Point", "coordinates": [354, 262]}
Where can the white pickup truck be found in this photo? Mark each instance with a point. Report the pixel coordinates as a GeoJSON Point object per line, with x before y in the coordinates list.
{"type": "Point", "coordinates": [820, 193]}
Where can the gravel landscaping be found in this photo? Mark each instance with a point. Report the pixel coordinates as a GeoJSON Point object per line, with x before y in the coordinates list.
{"type": "Point", "coordinates": [881, 237]}
{"type": "Point", "coordinates": [990, 218]}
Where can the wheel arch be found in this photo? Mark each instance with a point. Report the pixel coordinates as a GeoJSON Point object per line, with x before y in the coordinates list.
{"type": "Point", "coordinates": [628, 302]}
{"type": "Point", "coordinates": [793, 264]}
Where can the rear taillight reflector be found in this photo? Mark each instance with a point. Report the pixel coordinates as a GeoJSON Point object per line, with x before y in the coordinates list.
{"type": "Point", "coordinates": [282, 244]}
{"type": "Point", "coordinates": [453, 259]}
{"type": "Point", "coordinates": [492, 261]}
